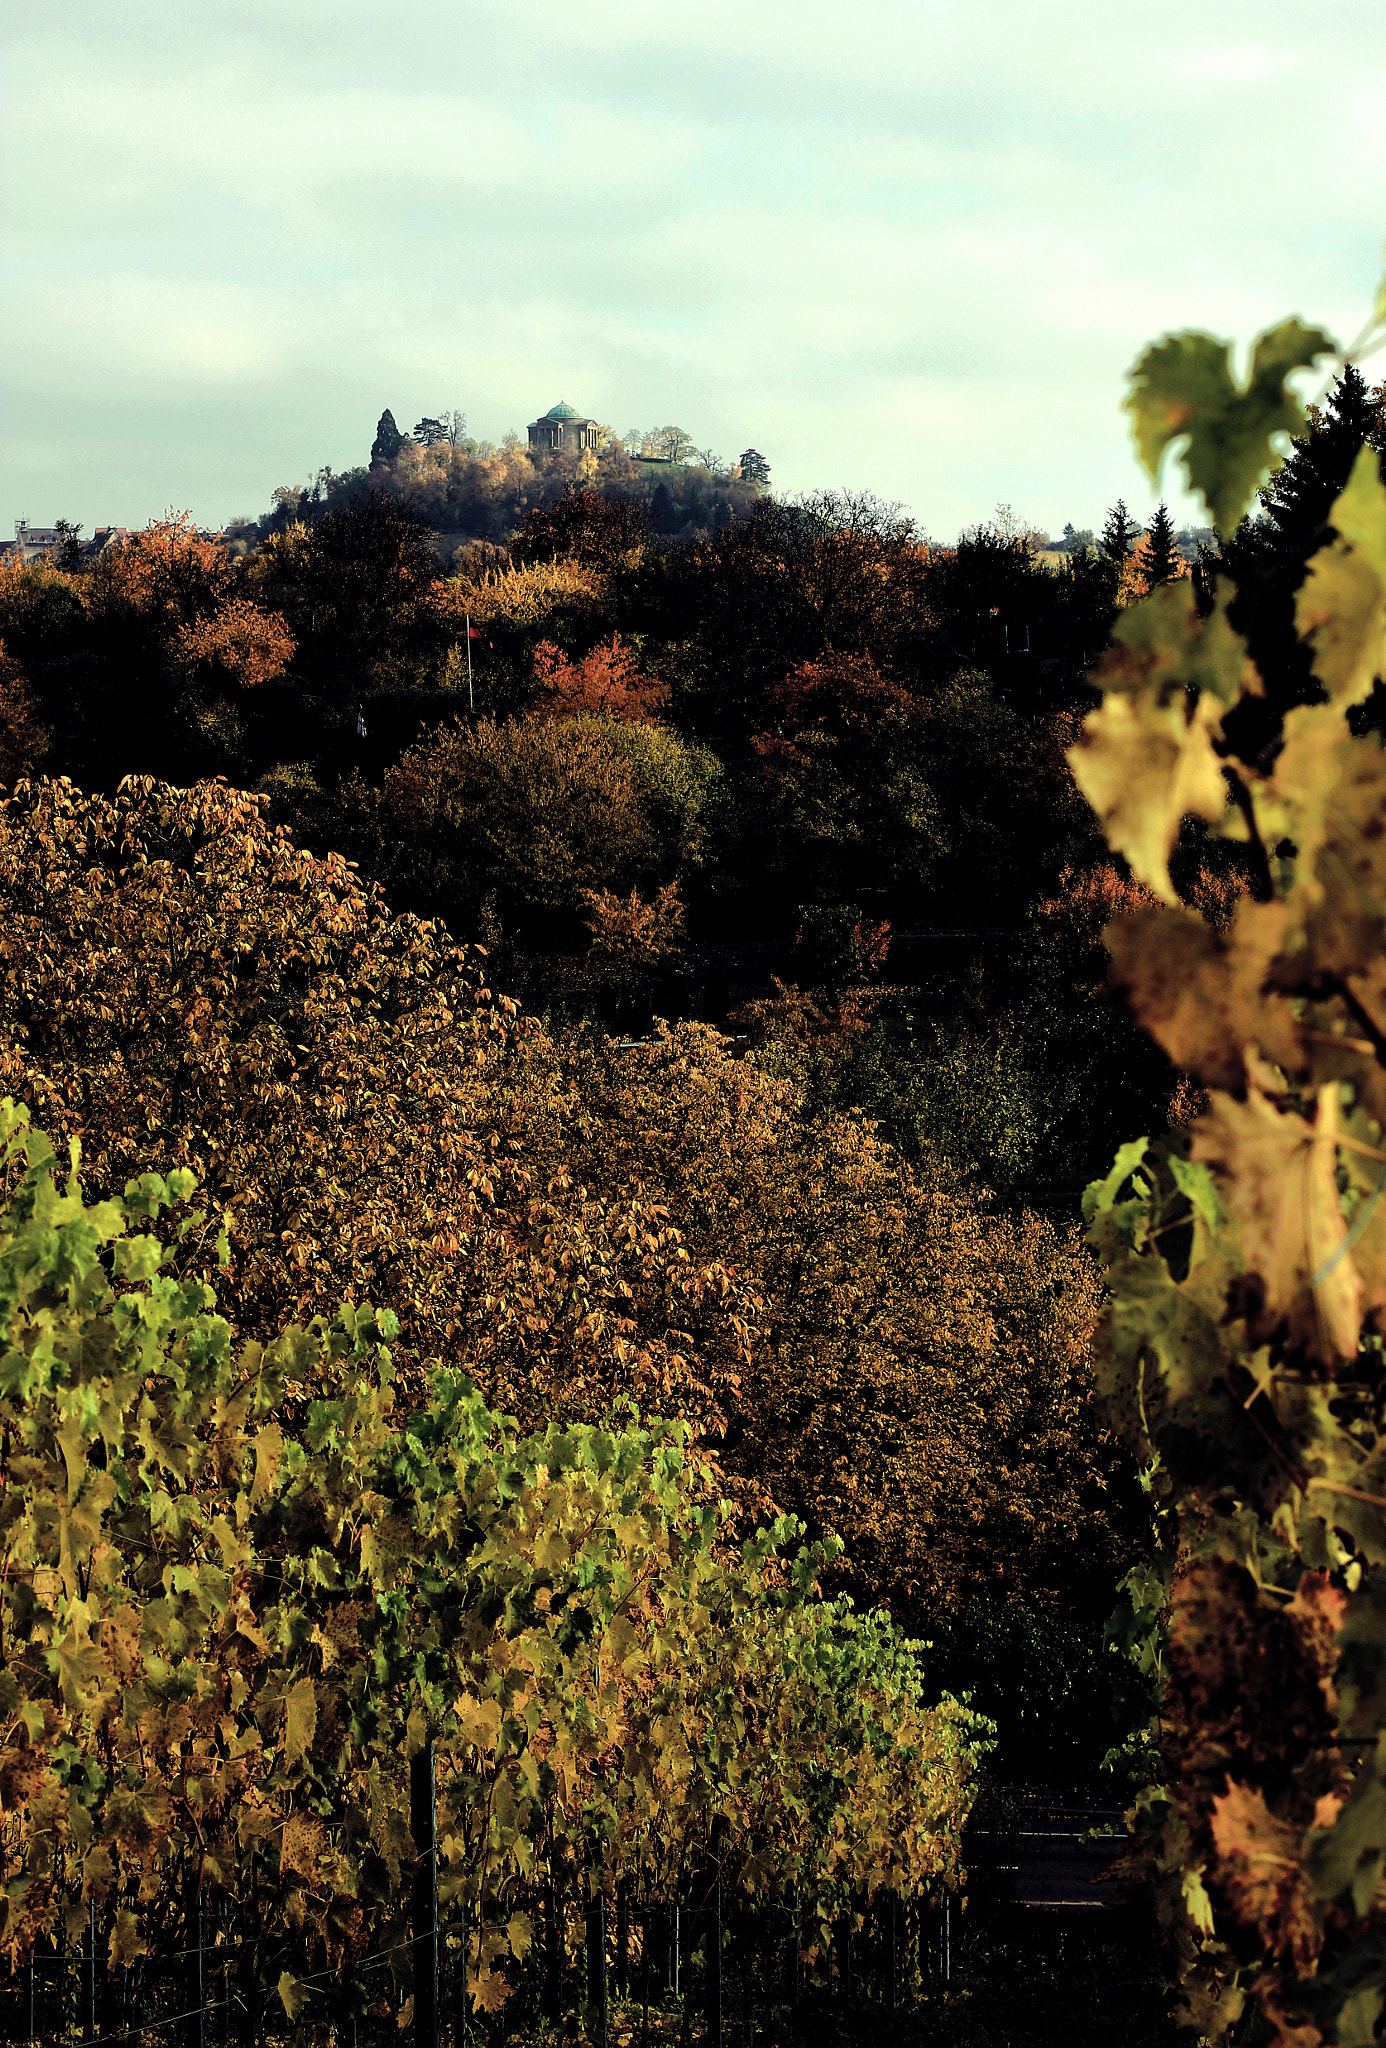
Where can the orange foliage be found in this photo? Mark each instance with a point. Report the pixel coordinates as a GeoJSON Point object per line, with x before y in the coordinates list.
{"type": "Point", "coordinates": [1135, 573]}
{"type": "Point", "coordinates": [835, 691]}
{"type": "Point", "coordinates": [168, 574]}
{"type": "Point", "coordinates": [605, 682]}
{"type": "Point", "coordinates": [238, 644]}
{"type": "Point", "coordinates": [628, 927]}
{"type": "Point", "coordinates": [24, 738]}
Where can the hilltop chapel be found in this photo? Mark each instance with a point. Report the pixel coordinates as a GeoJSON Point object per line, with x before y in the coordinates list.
{"type": "Point", "coordinates": [561, 429]}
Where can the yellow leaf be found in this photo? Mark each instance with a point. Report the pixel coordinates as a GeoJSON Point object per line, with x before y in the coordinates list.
{"type": "Point", "coordinates": [300, 1720]}
{"type": "Point", "coordinates": [1144, 767]}
{"type": "Point", "coordinates": [520, 1933]}
{"type": "Point", "coordinates": [293, 1995]}
{"type": "Point", "coordinates": [489, 1990]}
{"type": "Point", "coordinates": [1341, 608]}
{"type": "Point", "coordinates": [126, 1944]}
{"type": "Point", "coordinates": [1277, 1174]}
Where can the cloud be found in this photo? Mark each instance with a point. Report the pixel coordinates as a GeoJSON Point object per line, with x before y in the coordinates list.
{"type": "Point", "coordinates": [910, 249]}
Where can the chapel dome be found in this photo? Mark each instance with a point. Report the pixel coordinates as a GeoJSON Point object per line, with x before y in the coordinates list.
{"type": "Point", "coordinates": [561, 411]}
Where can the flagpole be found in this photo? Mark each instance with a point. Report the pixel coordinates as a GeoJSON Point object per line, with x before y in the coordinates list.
{"type": "Point", "coordinates": [471, 701]}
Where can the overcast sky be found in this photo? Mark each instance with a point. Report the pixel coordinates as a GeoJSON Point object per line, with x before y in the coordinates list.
{"type": "Point", "coordinates": [907, 248]}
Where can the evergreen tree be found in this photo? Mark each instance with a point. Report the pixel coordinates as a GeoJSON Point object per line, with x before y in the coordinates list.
{"type": "Point", "coordinates": [754, 467]}
{"type": "Point", "coordinates": [1118, 533]}
{"type": "Point", "coordinates": [1161, 548]}
{"type": "Point", "coordinates": [1298, 497]}
{"type": "Point", "coordinates": [69, 544]}
{"type": "Point", "coordinates": [388, 439]}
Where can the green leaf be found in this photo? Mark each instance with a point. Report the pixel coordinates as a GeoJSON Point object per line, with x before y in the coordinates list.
{"type": "Point", "coordinates": [1346, 1859]}
{"type": "Point", "coordinates": [1183, 389]}
{"type": "Point", "coordinates": [1195, 1182]}
{"type": "Point", "coordinates": [1099, 1195]}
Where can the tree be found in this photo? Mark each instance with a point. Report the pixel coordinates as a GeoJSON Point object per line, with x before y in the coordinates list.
{"type": "Point", "coordinates": [754, 467]}
{"type": "Point", "coordinates": [1162, 561]}
{"type": "Point", "coordinates": [1301, 493]}
{"type": "Point", "coordinates": [918, 1372]}
{"type": "Point", "coordinates": [388, 439]}
{"type": "Point", "coordinates": [428, 433]}
{"type": "Point", "coordinates": [354, 584]}
{"type": "Point", "coordinates": [69, 544]}
{"type": "Point", "coordinates": [535, 811]}
{"type": "Point", "coordinates": [1117, 534]}
{"type": "Point", "coordinates": [585, 525]}
{"type": "Point", "coordinates": [673, 442]}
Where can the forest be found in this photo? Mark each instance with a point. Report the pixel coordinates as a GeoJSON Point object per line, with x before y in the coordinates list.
{"type": "Point", "coordinates": [560, 1103]}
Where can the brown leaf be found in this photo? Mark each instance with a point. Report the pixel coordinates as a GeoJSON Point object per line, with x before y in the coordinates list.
{"type": "Point", "coordinates": [1261, 1876]}
{"type": "Point", "coordinates": [1277, 1175]}
{"type": "Point", "coordinates": [1201, 995]}
{"type": "Point", "coordinates": [489, 1990]}
{"type": "Point", "coordinates": [300, 1720]}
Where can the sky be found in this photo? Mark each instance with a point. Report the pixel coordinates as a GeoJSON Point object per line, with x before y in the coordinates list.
{"type": "Point", "coordinates": [911, 249]}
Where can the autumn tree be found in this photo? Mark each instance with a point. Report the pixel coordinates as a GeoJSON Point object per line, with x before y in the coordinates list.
{"type": "Point", "coordinates": [349, 1093]}
{"type": "Point", "coordinates": [918, 1375]}
{"type": "Point", "coordinates": [354, 584]}
{"type": "Point", "coordinates": [534, 811]}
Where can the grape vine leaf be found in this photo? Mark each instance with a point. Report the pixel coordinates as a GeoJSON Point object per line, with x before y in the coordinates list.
{"type": "Point", "coordinates": [1276, 1172]}
{"type": "Point", "coordinates": [1144, 767]}
{"type": "Point", "coordinates": [1183, 387]}
{"type": "Point", "coordinates": [1204, 995]}
{"type": "Point", "coordinates": [1341, 608]}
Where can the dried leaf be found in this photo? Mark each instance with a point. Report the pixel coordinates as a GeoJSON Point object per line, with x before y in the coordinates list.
{"type": "Point", "coordinates": [1276, 1172]}
{"type": "Point", "coordinates": [1146, 766]}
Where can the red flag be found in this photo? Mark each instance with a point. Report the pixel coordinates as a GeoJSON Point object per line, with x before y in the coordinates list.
{"type": "Point", "coordinates": [472, 633]}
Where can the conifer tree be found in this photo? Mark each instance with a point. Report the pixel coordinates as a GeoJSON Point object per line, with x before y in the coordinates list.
{"type": "Point", "coordinates": [388, 439]}
{"type": "Point", "coordinates": [1118, 533]}
{"type": "Point", "coordinates": [1161, 548]}
{"type": "Point", "coordinates": [1299, 496]}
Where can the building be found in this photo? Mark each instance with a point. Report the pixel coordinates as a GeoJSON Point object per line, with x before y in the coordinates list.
{"type": "Point", "coordinates": [562, 431]}
{"type": "Point", "coordinates": [32, 543]}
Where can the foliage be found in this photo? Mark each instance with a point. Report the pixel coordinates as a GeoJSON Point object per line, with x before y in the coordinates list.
{"type": "Point", "coordinates": [1247, 1260]}
{"type": "Point", "coordinates": [629, 928]}
{"type": "Point", "coordinates": [1183, 392]}
{"type": "Point", "coordinates": [356, 586]}
{"type": "Point", "coordinates": [605, 683]}
{"type": "Point", "coordinates": [917, 1375]}
{"type": "Point", "coordinates": [587, 526]}
{"type": "Point", "coordinates": [227, 1624]}
{"type": "Point", "coordinates": [534, 812]}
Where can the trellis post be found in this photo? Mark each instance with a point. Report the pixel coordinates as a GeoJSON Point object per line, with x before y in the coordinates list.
{"type": "Point", "coordinates": [423, 1826]}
